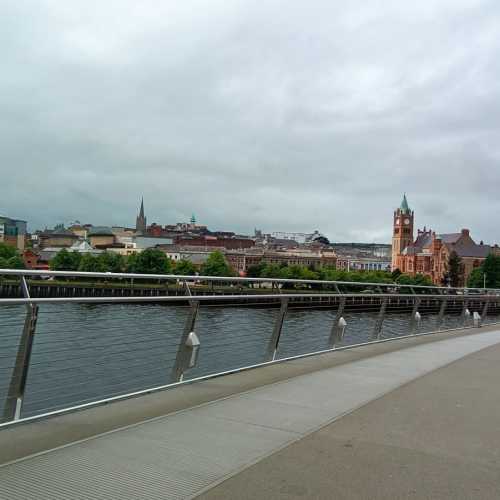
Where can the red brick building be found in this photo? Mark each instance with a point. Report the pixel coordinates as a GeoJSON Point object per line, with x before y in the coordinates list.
{"type": "Point", "coordinates": [429, 253]}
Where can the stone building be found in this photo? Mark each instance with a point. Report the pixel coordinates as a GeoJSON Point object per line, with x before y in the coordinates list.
{"type": "Point", "coordinates": [429, 253]}
{"type": "Point", "coordinates": [101, 237]}
{"type": "Point", "coordinates": [240, 261]}
{"type": "Point", "coordinates": [57, 237]}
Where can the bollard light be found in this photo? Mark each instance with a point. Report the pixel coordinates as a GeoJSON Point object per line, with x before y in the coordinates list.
{"type": "Point", "coordinates": [418, 319]}
{"type": "Point", "coordinates": [476, 319]}
{"type": "Point", "coordinates": [466, 315]}
{"type": "Point", "coordinates": [342, 324]}
{"type": "Point", "coordinates": [193, 343]}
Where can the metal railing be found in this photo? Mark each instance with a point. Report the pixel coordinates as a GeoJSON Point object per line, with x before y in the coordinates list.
{"type": "Point", "coordinates": [62, 353]}
{"type": "Point", "coordinates": [277, 283]}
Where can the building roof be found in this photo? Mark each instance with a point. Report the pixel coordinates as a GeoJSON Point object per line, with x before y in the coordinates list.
{"type": "Point", "coordinates": [58, 232]}
{"type": "Point", "coordinates": [100, 231]}
{"type": "Point", "coordinates": [449, 237]}
{"type": "Point", "coordinates": [468, 250]}
{"type": "Point", "coordinates": [424, 240]}
{"type": "Point", "coordinates": [81, 246]}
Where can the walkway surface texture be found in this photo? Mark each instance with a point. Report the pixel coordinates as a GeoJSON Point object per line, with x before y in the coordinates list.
{"type": "Point", "coordinates": [419, 422]}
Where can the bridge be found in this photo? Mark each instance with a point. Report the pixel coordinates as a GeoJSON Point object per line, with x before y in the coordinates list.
{"type": "Point", "coordinates": [322, 394]}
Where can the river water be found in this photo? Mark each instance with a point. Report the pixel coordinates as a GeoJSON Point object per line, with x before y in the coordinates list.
{"type": "Point", "coordinates": [82, 353]}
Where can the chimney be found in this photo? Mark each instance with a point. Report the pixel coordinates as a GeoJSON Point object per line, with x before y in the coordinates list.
{"type": "Point", "coordinates": [465, 232]}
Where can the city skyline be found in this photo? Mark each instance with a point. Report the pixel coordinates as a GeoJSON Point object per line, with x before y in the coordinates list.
{"type": "Point", "coordinates": [298, 125]}
{"type": "Point", "coordinates": [141, 212]}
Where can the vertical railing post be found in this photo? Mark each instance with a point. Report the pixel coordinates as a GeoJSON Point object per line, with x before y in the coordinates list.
{"type": "Point", "coordinates": [272, 347]}
{"type": "Point", "coordinates": [336, 332]}
{"type": "Point", "coordinates": [442, 310]}
{"type": "Point", "coordinates": [465, 311]}
{"type": "Point", "coordinates": [17, 386]}
{"type": "Point", "coordinates": [485, 309]}
{"type": "Point", "coordinates": [183, 351]}
{"type": "Point", "coordinates": [414, 313]}
{"type": "Point", "coordinates": [377, 331]}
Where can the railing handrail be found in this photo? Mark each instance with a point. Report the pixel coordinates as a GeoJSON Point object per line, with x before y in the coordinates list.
{"type": "Point", "coordinates": [228, 298]}
{"type": "Point", "coordinates": [237, 279]}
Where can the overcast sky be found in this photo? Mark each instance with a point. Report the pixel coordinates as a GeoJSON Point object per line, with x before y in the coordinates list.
{"type": "Point", "coordinates": [280, 115]}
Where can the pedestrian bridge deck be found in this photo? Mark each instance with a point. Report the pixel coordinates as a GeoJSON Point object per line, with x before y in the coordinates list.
{"type": "Point", "coordinates": [414, 423]}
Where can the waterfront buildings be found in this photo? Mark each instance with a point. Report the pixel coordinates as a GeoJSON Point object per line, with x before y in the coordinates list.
{"type": "Point", "coordinates": [13, 232]}
{"type": "Point", "coordinates": [429, 253]}
{"type": "Point", "coordinates": [40, 259]}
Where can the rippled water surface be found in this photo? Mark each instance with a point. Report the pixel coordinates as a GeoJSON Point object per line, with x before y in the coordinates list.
{"type": "Point", "coordinates": [83, 353]}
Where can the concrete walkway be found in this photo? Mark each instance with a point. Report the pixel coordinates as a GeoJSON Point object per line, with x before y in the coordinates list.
{"type": "Point", "coordinates": [437, 437]}
{"type": "Point", "coordinates": [410, 451]}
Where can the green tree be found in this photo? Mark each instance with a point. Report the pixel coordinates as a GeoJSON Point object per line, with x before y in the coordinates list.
{"type": "Point", "coordinates": [90, 264]}
{"type": "Point", "coordinates": [216, 265]}
{"type": "Point", "coordinates": [7, 251]}
{"type": "Point", "coordinates": [297, 272]}
{"type": "Point", "coordinates": [491, 267]}
{"type": "Point", "coordinates": [10, 258]}
{"type": "Point", "coordinates": [131, 262]}
{"type": "Point", "coordinates": [111, 262]}
{"type": "Point", "coordinates": [476, 278]}
{"type": "Point", "coordinates": [455, 270]}
{"type": "Point", "coordinates": [184, 267]}
{"type": "Point", "coordinates": [418, 279]}
{"type": "Point", "coordinates": [396, 274]}
{"type": "Point", "coordinates": [255, 271]}
{"type": "Point", "coordinates": [149, 261]}
{"type": "Point", "coordinates": [65, 261]}
{"type": "Point", "coordinates": [13, 263]}
{"type": "Point", "coordinates": [272, 271]}
{"type": "Point", "coordinates": [488, 271]}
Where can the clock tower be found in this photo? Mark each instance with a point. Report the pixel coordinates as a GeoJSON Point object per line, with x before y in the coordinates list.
{"type": "Point", "coordinates": [402, 230]}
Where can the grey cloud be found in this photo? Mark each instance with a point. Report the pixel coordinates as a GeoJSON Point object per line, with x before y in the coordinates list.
{"type": "Point", "coordinates": [279, 115]}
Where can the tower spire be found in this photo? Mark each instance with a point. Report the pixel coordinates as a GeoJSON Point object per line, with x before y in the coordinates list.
{"type": "Point", "coordinates": [404, 205]}
{"type": "Point", "coordinates": [140, 222]}
{"type": "Point", "coordinates": [141, 212]}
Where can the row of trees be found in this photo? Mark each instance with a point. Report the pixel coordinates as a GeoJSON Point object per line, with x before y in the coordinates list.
{"type": "Point", "coordinates": [153, 261]}
{"type": "Point", "coordinates": [150, 261]}
{"type": "Point", "coordinates": [10, 258]}
{"type": "Point", "coordinates": [263, 270]}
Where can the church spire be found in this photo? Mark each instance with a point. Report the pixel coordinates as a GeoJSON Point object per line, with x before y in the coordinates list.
{"type": "Point", "coordinates": [141, 212]}
{"type": "Point", "coordinates": [404, 205]}
{"type": "Point", "coordinates": [140, 222]}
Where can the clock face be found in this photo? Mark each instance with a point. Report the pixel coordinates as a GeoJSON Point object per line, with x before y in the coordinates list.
{"type": "Point", "coordinates": [407, 221]}
{"type": "Point", "coordinates": [397, 221]}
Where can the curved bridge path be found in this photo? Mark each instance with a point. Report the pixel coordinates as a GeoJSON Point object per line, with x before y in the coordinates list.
{"type": "Point", "coordinates": [416, 418]}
